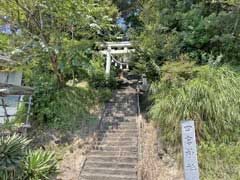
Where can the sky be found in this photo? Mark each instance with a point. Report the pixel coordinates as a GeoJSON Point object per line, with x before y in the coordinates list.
{"type": "Point", "coordinates": [122, 23]}
{"type": "Point", "coordinates": [5, 29]}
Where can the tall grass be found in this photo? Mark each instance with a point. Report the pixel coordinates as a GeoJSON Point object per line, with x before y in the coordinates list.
{"type": "Point", "coordinates": [219, 161]}
{"type": "Point", "coordinates": [209, 96]}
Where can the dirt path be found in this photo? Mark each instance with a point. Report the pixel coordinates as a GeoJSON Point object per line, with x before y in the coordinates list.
{"type": "Point", "coordinates": [73, 159]}
{"type": "Point", "coordinates": [154, 165]}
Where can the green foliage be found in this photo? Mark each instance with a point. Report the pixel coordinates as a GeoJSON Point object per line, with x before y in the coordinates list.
{"type": "Point", "coordinates": [58, 34]}
{"type": "Point", "coordinates": [12, 153]}
{"type": "Point", "coordinates": [129, 11]}
{"type": "Point", "coordinates": [97, 76]}
{"type": "Point", "coordinates": [67, 108]}
{"type": "Point", "coordinates": [39, 165]}
{"type": "Point", "coordinates": [54, 43]}
{"type": "Point", "coordinates": [219, 161]}
{"type": "Point", "coordinates": [176, 73]}
{"type": "Point", "coordinates": [72, 112]}
{"type": "Point", "coordinates": [209, 96]}
{"type": "Point", "coordinates": [17, 162]}
{"type": "Point", "coordinates": [4, 42]}
{"type": "Point", "coordinates": [207, 31]}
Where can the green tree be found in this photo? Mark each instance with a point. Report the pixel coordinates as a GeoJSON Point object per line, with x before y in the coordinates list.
{"type": "Point", "coordinates": [54, 41]}
{"type": "Point", "coordinates": [130, 11]}
{"type": "Point", "coordinates": [206, 31]}
{"type": "Point", "coordinates": [59, 34]}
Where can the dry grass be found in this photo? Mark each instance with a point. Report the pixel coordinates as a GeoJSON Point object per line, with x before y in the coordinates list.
{"type": "Point", "coordinates": [72, 160]}
{"type": "Point", "coordinates": [152, 166]}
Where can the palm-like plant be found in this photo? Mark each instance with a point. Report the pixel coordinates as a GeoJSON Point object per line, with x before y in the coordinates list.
{"type": "Point", "coordinates": [39, 165]}
{"type": "Point", "coordinates": [12, 152]}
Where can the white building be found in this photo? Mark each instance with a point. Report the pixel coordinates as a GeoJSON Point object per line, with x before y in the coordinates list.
{"type": "Point", "coordinates": [11, 91]}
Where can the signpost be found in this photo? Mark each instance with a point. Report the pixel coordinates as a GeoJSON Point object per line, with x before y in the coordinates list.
{"type": "Point", "coordinates": [191, 171]}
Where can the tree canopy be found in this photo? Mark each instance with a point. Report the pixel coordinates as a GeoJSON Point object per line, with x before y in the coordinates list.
{"type": "Point", "coordinates": [207, 32]}
{"type": "Point", "coordinates": [59, 34]}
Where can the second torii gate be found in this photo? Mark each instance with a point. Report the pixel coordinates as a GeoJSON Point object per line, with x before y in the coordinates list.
{"type": "Point", "coordinates": [115, 48]}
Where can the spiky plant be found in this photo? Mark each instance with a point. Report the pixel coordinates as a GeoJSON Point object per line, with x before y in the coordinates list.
{"type": "Point", "coordinates": [39, 165]}
{"type": "Point", "coordinates": [210, 98]}
{"type": "Point", "coordinates": [12, 152]}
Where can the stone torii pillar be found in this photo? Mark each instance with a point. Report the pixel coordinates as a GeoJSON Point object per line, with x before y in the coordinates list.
{"type": "Point", "coordinates": [108, 63]}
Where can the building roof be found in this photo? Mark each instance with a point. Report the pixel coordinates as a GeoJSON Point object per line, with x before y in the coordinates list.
{"type": "Point", "coordinates": [6, 61]}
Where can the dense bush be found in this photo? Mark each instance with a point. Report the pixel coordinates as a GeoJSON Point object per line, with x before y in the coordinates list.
{"type": "Point", "coordinates": [17, 163]}
{"type": "Point", "coordinates": [219, 161]}
{"type": "Point", "coordinates": [12, 152]}
{"type": "Point", "coordinates": [208, 31]}
{"type": "Point", "coordinates": [39, 165]}
{"type": "Point", "coordinates": [73, 111]}
{"type": "Point", "coordinates": [207, 95]}
{"type": "Point", "coordinates": [210, 97]}
{"type": "Point", "coordinates": [68, 106]}
{"type": "Point", "coordinates": [57, 45]}
{"type": "Point", "coordinates": [97, 77]}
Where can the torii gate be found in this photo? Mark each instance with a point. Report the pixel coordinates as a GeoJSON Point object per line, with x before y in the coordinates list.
{"type": "Point", "coordinates": [116, 48]}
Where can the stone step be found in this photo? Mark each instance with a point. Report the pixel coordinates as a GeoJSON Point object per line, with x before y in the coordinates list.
{"type": "Point", "coordinates": [120, 133]}
{"type": "Point", "coordinates": [118, 138]}
{"type": "Point", "coordinates": [126, 109]}
{"type": "Point", "coordinates": [116, 151]}
{"type": "Point", "coordinates": [111, 171]}
{"type": "Point", "coordinates": [123, 127]}
{"type": "Point", "coordinates": [113, 137]}
{"type": "Point", "coordinates": [95, 176]}
{"type": "Point", "coordinates": [127, 124]}
{"type": "Point", "coordinates": [121, 102]}
{"type": "Point", "coordinates": [111, 120]}
{"type": "Point", "coordinates": [122, 109]}
{"type": "Point", "coordinates": [134, 117]}
{"type": "Point", "coordinates": [109, 164]}
{"type": "Point", "coordinates": [120, 114]}
{"type": "Point", "coordinates": [124, 123]}
{"type": "Point", "coordinates": [119, 118]}
{"type": "Point", "coordinates": [113, 153]}
{"type": "Point", "coordinates": [117, 142]}
{"type": "Point", "coordinates": [112, 158]}
{"type": "Point", "coordinates": [117, 135]}
{"type": "Point", "coordinates": [123, 131]}
{"type": "Point", "coordinates": [130, 105]}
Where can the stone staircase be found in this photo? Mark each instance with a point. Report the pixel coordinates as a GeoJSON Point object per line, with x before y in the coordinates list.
{"type": "Point", "coordinates": [115, 156]}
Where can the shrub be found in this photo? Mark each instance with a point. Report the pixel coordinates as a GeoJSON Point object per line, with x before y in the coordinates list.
{"type": "Point", "coordinates": [73, 112]}
{"type": "Point", "coordinates": [12, 153]}
{"type": "Point", "coordinates": [39, 165]}
{"type": "Point", "coordinates": [219, 161]}
{"type": "Point", "coordinates": [210, 98]}
{"type": "Point", "coordinates": [18, 164]}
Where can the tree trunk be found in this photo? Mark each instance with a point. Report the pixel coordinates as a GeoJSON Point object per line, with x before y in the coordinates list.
{"type": "Point", "coordinates": [59, 75]}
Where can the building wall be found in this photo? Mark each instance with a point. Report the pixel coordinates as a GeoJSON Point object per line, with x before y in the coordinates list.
{"type": "Point", "coordinates": [14, 78]}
